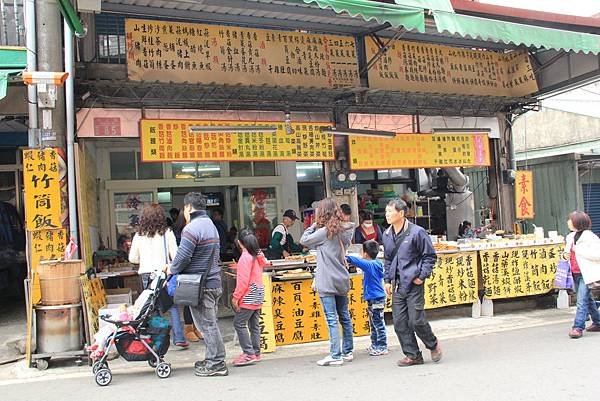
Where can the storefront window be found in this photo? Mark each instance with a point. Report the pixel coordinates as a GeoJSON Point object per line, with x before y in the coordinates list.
{"type": "Point", "coordinates": [309, 171]}
{"type": "Point", "coordinates": [394, 173]}
{"type": "Point", "coordinates": [249, 169]}
{"type": "Point", "coordinates": [196, 169]}
{"type": "Point", "coordinates": [240, 169]}
{"type": "Point", "coordinates": [260, 212]}
{"type": "Point", "coordinates": [128, 207]}
{"type": "Point", "coordinates": [149, 171]}
{"type": "Point", "coordinates": [122, 166]}
{"type": "Point", "coordinates": [264, 169]}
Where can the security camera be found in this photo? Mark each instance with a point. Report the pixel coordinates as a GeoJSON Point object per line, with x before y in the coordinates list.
{"type": "Point", "coordinates": [45, 77]}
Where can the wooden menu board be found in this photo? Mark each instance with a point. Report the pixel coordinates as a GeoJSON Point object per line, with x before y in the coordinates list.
{"type": "Point", "coordinates": [199, 53]}
{"type": "Point", "coordinates": [420, 67]}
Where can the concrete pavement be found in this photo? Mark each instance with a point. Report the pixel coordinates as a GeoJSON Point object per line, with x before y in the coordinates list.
{"type": "Point", "coordinates": [535, 363]}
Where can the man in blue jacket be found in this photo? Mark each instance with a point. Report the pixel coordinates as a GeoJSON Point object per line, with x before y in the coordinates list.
{"type": "Point", "coordinates": [409, 260]}
{"type": "Point", "coordinates": [198, 253]}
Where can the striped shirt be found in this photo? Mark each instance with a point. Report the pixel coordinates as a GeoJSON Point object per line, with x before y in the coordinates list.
{"type": "Point", "coordinates": [199, 250]}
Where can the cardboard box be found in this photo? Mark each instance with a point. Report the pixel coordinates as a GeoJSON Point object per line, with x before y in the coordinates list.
{"type": "Point", "coordinates": [119, 296]}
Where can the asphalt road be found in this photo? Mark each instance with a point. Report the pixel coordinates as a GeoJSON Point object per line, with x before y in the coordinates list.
{"type": "Point", "coordinates": [539, 363]}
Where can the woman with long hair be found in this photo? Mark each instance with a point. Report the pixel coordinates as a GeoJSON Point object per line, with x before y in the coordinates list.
{"type": "Point", "coordinates": [330, 236]}
{"type": "Point", "coordinates": [248, 297]}
{"type": "Point", "coordinates": [582, 248]}
{"type": "Point", "coordinates": [154, 246]}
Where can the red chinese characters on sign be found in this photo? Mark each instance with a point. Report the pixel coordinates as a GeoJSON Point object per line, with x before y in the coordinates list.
{"type": "Point", "coordinates": [524, 195]}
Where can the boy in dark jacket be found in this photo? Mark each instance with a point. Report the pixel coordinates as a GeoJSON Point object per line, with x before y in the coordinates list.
{"type": "Point", "coordinates": [409, 260]}
{"type": "Point", "coordinates": [374, 295]}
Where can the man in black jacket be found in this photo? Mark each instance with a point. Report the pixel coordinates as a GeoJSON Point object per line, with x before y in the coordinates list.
{"type": "Point", "coordinates": [409, 260]}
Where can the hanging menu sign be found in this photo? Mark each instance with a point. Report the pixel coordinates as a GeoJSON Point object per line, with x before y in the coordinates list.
{"type": "Point", "coordinates": [170, 140]}
{"type": "Point", "coordinates": [42, 189]}
{"type": "Point", "coordinates": [419, 151]}
{"type": "Point", "coordinates": [419, 67]}
{"type": "Point", "coordinates": [197, 53]}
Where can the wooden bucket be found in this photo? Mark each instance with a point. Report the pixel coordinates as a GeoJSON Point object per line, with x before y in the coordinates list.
{"type": "Point", "coordinates": [59, 281]}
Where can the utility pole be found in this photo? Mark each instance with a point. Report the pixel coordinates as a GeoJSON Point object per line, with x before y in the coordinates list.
{"type": "Point", "coordinates": [49, 24]}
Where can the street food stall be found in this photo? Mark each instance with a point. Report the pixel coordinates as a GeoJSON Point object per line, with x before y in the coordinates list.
{"type": "Point", "coordinates": [495, 268]}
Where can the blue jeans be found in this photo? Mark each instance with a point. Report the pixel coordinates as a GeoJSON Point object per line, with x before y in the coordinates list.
{"type": "Point", "coordinates": [336, 307]}
{"type": "Point", "coordinates": [377, 323]}
{"type": "Point", "coordinates": [585, 304]}
{"type": "Point", "coordinates": [176, 328]}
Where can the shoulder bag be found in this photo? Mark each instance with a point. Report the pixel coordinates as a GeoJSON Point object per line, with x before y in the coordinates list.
{"type": "Point", "coordinates": [190, 287]}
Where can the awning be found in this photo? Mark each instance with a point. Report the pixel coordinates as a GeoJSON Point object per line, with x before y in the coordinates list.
{"type": "Point", "coordinates": [518, 34]}
{"type": "Point", "coordinates": [396, 15]}
{"type": "Point", "coordinates": [13, 60]}
{"type": "Point", "coordinates": [435, 5]}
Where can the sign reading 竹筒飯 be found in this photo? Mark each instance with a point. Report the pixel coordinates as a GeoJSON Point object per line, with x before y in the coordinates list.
{"type": "Point", "coordinates": [419, 151]}
{"type": "Point", "coordinates": [42, 189]}
{"type": "Point", "coordinates": [169, 51]}
{"type": "Point", "coordinates": [421, 67]}
{"type": "Point", "coordinates": [170, 140]}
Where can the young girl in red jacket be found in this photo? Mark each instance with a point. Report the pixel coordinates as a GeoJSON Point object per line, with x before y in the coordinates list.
{"type": "Point", "coordinates": [248, 298]}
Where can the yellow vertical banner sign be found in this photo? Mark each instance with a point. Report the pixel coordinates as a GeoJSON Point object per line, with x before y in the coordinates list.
{"type": "Point", "coordinates": [518, 272]}
{"type": "Point", "coordinates": [298, 315]}
{"type": "Point", "coordinates": [46, 245]}
{"type": "Point", "coordinates": [93, 299]}
{"type": "Point", "coordinates": [524, 195]}
{"type": "Point", "coordinates": [42, 189]}
{"type": "Point", "coordinates": [267, 329]}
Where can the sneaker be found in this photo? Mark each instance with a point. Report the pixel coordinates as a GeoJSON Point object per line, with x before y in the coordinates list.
{"type": "Point", "coordinates": [257, 358]}
{"type": "Point", "coordinates": [436, 354]}
{"type": "Point", "coordinates": [369, 349]}
{"type": "Point", "coordinates": [378, 351]}
{"type": "Point", "coordinates": [244, 359]}
{"type": "Point", "coordinates": [330, 361]}
{"type": "Point", "coordinates": [410, 362]}
{"type": "Point", "coordinates": [183, 344]}
{"type": "Point", "coordinates": [349, 357]}
{"type": "Point", "coordinates": [576, 333]}
{"type": "Point", "coordinates": [199, 364]}
{"type": "Point", "coordinates": [216, 370]}
{"type": "Point", "coordinates": [593, 327]}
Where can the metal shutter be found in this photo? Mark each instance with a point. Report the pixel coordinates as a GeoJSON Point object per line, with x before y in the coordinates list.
{"type": "Point", "coordinates": [591, 201]}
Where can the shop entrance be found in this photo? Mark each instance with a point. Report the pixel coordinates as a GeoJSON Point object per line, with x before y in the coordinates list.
{"type": "Point", "coordinates": [241, 206]}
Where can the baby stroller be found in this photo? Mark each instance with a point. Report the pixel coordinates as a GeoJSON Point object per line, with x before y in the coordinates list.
{"type": "Point", "coordinates": [146, 338]}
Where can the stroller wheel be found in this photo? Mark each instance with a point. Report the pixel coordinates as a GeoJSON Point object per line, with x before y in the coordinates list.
{"type": "Point", "coordinates": [99, 365]}
{"type": "Point", "coordinates": [163, 370]}
{"type": "Point", "coordinates": [103, 377]}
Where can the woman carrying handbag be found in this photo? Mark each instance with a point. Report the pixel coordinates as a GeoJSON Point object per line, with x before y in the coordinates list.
{"type": "Point", "coordinates": [581, 251]}
{"type": "Point", "coordinates": [155, 242]}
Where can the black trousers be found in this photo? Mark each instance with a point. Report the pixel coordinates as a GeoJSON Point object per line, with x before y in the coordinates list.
{"type": "Point", "coordinates": [408, 312]}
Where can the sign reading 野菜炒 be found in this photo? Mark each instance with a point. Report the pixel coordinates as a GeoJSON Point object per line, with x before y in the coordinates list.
{"type": "Point", "coordinates": [518, 272]}
{"type": "Point", "coordinates": [170, 140]}
{"type": "Point", "coordinates": [524, 194]}
{"type": "Point", "coordinates": [420, 67]}
{"type": "Point", "coordinates": [42, 189]}
{"type": "Point", "coordinates": [170, 51]}
{"type": "Point", "coordinates": [419, 151]}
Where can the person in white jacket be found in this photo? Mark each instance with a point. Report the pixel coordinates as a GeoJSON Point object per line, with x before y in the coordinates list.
{"type": "Point", "coordinates": [582, 250]}
{"type": "Point", "coordinates": [153, 247]}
